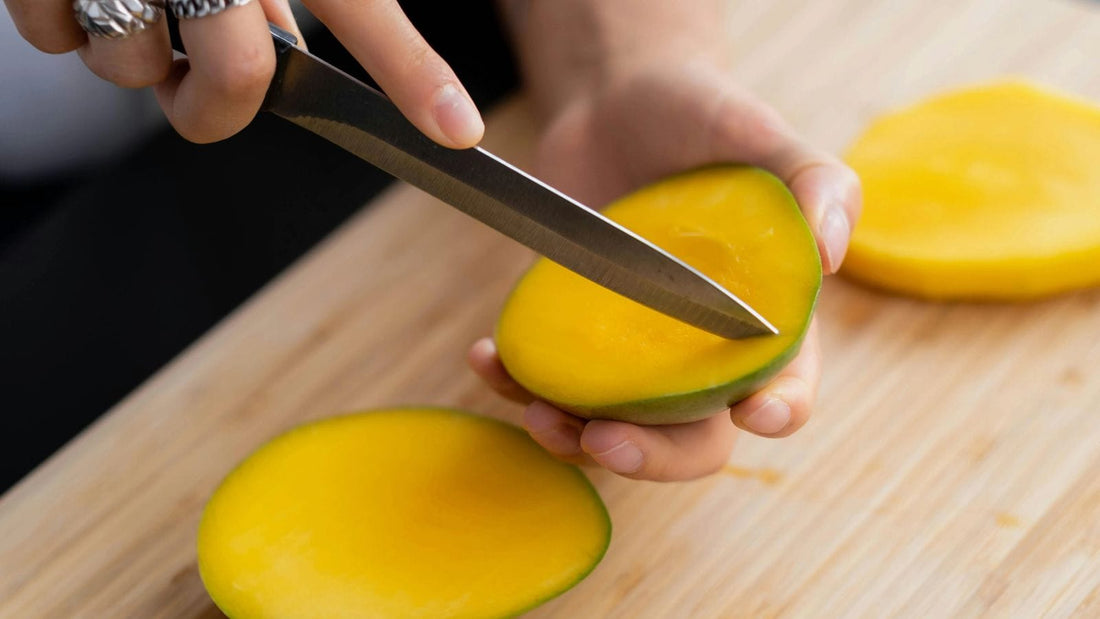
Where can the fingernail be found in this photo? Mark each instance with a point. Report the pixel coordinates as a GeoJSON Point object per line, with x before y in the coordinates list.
{"type": "Point", "coordinates": [543, 423]}
{"type": "Point", "coordinates": [563, 439]}
{"type": "Point", "coordinates": [772, 416]}
{"type": "Point", "coordinates": [834, 231]}
{"type": "Point", "coordinates": [456, 116]}
{"type": "Point", "coordinates": [485, 347]}
{"type": "Point", "coordinates": [540, 417]}
{"type": "Point", "coordinates": [622, 458]}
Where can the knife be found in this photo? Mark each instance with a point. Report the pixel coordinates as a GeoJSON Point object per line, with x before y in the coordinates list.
{"type": "Point", "coordinates": [318, 97]}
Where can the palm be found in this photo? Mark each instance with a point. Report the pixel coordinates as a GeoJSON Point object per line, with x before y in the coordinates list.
{"type": "Point", "coordinates": [634, 132]}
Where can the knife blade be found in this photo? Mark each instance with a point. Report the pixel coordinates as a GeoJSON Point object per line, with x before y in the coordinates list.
{"type": "Point", "coordinates": [318, 97]}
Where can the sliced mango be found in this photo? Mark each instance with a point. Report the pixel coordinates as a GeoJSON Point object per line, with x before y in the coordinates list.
{"type": "Point", "coordinates": [991, 192]}
{"type": "Point", "coordinates": [601, 355]}
{"type": "Point", "coordinates": [399, 513]}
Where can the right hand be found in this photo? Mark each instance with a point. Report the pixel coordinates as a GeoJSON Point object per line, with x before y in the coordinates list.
{"type": "Point", "coordinates": [218, 89]}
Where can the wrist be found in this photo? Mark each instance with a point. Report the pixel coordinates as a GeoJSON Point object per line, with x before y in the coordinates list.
{"type": "Point", "coordinates": [570, 49]}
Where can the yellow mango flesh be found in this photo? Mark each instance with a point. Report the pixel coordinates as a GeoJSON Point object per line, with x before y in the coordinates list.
{"type": "Point", "coordinates": [987, 193]}
{"type": "Point", "coordinates": [399, 513]}
{"type": "Point", "coordinates": [601, 355]}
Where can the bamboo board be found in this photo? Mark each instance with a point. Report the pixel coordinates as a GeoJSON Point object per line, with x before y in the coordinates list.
{"type": "Point", "coordinates": [952, 467]}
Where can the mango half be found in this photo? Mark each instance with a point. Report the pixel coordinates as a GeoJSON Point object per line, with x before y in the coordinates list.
{"type": "Point", "coordinates": [991, 192]}
{"type": "Point", "coordinates": [399, 513]}
{"type": "Point", "coordinates": [600, 355]}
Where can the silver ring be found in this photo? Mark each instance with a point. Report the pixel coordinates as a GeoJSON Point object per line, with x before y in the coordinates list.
{"type": "Point", "coordinates": [116, 19]}
{"type": "Point", "coordinates": [191, 9]}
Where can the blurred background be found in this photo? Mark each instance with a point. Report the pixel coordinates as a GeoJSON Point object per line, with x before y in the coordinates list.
{"type": "Point", "coordinates": [121, 243]}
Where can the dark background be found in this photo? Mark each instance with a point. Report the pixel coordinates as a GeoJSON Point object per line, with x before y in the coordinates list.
{"type": "Point", "coordinates": [105, 278]}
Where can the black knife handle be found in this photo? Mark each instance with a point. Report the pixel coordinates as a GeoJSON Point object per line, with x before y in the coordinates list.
{"type": "Point", "coordinates": [283, 39]}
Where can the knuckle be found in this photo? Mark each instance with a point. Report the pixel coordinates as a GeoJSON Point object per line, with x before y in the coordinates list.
{"type": "Point", "coordinates": [128, 68]}
{"type": "Point", "coordinates": [137, 77]}
{"type": "Point", "coordinates": [421, 59]}
{"type": "Point", "coordinates": [418, 54]}
{"type": "Point", "coordinates": [854, 193]}
{"type": "Point", "coordinates": [802, 165]}
{"type": "Point", "coordinates": [766, 126]}
{"type": "Point", "coordinates": [246, 72]}
{"type": "Point", "coordinates": [757, 130]}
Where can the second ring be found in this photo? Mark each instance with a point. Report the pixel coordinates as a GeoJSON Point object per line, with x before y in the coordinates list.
{"type": "Point", "coordinates": [192, 9]}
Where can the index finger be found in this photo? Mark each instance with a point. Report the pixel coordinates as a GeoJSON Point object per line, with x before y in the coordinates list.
{"type": "Point", "coordinates": [380, 36]}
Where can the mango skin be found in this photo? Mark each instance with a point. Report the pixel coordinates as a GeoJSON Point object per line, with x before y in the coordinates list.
{"type": "Point", "coordinates": [692, 406]}
{"type": "Point", "coordinates": [686, 405]}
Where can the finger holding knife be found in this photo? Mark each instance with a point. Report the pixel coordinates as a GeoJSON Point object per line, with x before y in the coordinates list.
{"type": "Point", "coordinates": [218, 89]}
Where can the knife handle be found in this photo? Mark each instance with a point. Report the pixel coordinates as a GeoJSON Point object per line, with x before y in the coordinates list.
{"type": "Point", "coordinates": [283, 39]}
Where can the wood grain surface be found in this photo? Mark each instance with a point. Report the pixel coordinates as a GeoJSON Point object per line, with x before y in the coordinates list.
{"type": "Point", "coordinates": [952, 467]}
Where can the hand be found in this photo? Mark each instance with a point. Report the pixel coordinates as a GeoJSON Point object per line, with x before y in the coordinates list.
{"type": "Point", "coordinates": [654, 122]}
{"type": "Point", "coordinates": [219, 88]}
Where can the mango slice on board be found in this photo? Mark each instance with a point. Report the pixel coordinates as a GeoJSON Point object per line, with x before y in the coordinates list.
{"type": "Point", "coordinates": [399, 513]}
{"type": "Point", "coordinates": [991, 192]}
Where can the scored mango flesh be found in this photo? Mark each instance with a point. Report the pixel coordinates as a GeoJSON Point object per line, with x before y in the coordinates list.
{"type": "Point", "coordinates": [399, 513]}
{"type": "Point", "coordinates": [601, 355]}
{"type": "Point", "coordinates": [991, 192]}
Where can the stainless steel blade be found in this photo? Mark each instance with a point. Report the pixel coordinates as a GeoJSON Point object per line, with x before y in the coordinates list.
{"type": "Point", "coordinates": [312, 94]}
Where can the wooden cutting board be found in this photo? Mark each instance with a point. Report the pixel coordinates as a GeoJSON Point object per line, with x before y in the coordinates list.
{"type": "Point", "coordinates": [952, 467]}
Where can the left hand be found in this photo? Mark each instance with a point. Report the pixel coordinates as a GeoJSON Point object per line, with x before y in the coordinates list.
{"type": "Point", "coordinates": [637, 129]}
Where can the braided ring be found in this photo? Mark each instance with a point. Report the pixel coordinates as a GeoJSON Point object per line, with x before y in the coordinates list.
{"type": "Point", "coordinates": [192, 9]}
{"type": "Point", "coordinates": [116, 19]}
